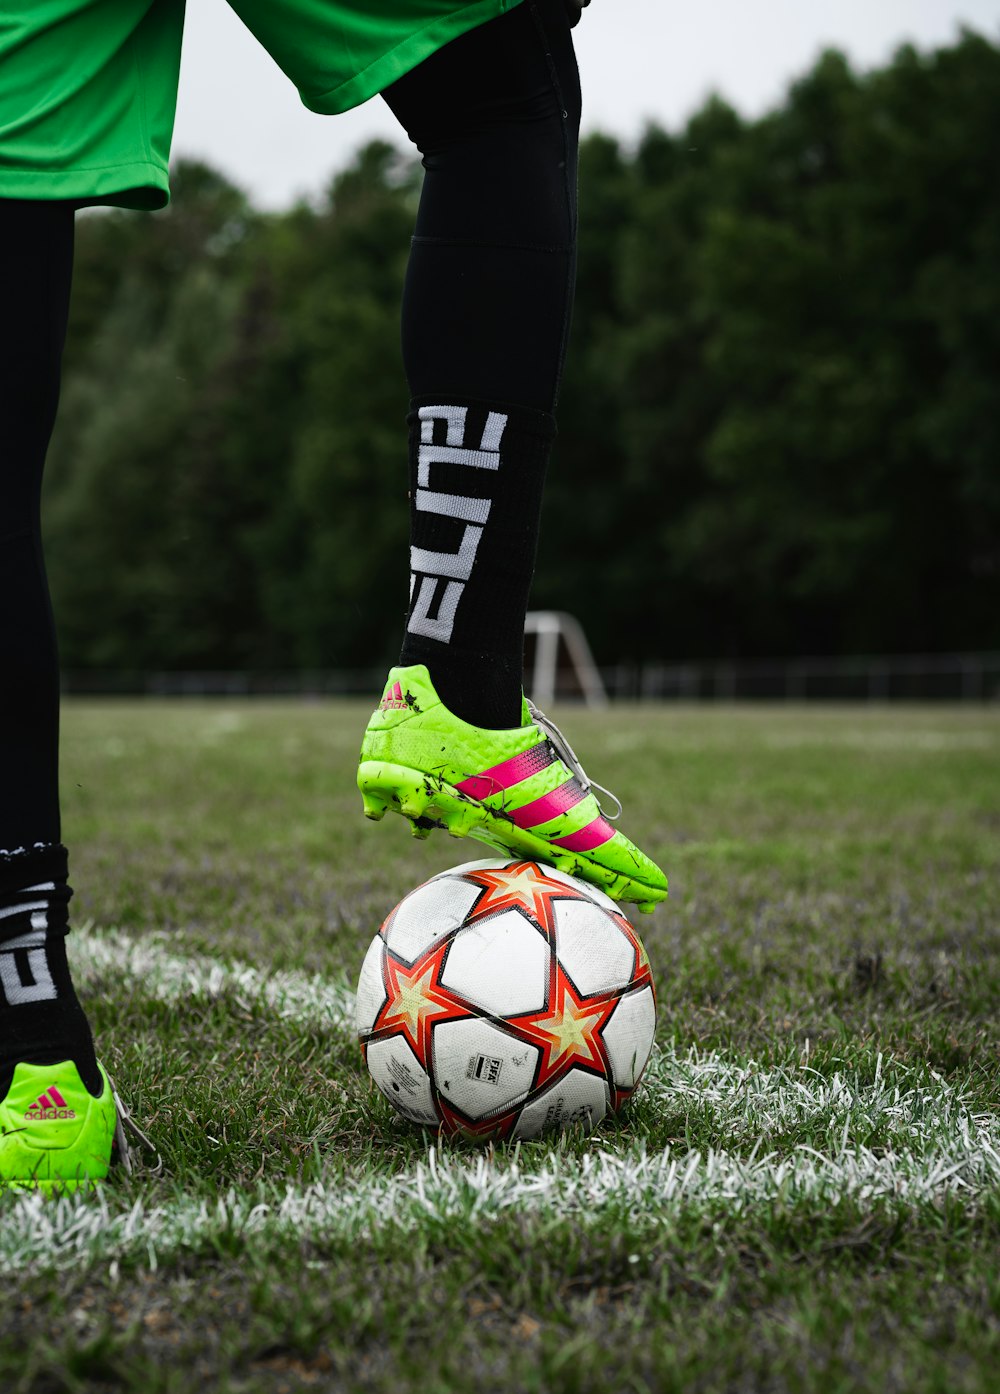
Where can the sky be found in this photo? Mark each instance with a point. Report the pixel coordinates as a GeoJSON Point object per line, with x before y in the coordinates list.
{"type": "Point", "coordinates": [640, 61]}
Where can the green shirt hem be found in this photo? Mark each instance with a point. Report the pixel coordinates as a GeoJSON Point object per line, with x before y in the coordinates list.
{"type": "Point", "coordinates": [138, 184]}
{"type": "Point", "coordinates": [403, 58]}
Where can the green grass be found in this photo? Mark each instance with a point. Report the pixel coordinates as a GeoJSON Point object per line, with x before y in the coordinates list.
{"type": "Point", "coordinates": [826, 1088]}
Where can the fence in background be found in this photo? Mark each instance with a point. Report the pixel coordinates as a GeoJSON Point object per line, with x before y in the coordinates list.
{"type": "Point", "coordinates": [327, 682]}
{"type": "Point", "coordinates": [951, 677]}
{"type": "Point", "coordinates": [956, 677]}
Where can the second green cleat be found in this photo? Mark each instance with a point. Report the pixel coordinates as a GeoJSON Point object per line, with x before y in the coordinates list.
{"type": "Point", "coordinates": [522, 790]}
{"type": "Point", "coordinates": [54, 1134]}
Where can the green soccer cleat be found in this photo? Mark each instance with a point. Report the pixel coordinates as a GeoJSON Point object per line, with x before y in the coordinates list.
{"type": "Point", "coordinates": [522, 791]}
{"type": "Point", "coordinates": [54, 1135]}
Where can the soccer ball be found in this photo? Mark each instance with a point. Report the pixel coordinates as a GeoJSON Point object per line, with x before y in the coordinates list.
{"type": "Point", "coordinates": [502, 999]}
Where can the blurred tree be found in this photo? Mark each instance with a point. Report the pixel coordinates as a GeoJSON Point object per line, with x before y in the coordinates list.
{"type": "Point", "coordinates": [779, 430]}
{"type": "Point", "coordinates": [227, 485]}
{"type": "Point", "coordinates": [153, 319]}
{"type": "Point", "coordinates": [339, 589]}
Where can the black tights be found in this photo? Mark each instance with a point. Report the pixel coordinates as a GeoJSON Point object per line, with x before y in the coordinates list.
{"type": "Point", "coordinates": [489, 290]}
{"type": "Point", "coordinates": [486, 311]}
{"type": "Point", "coordinates": [36, 259]}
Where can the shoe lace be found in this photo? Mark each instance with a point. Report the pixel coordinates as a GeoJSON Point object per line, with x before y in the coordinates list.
{"type": "Point", "coordinates": [571, 760]}
{"type": "Point", "coordinates": [127, 1132]}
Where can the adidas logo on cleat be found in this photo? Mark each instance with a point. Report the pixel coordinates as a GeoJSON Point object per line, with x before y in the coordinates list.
{"type": "Point", "coordinates": [394, 701]}
{"type": "Point", "coordinates": [50, 1105]}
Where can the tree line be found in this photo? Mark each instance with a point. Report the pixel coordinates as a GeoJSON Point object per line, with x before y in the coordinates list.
{"type": "Point", "coordinates": [779, 425]}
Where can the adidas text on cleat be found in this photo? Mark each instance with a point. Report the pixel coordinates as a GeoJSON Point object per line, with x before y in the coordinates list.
{"type": "Point", "coordinates": [522, 790]}
{"type": "Point", "coordinates": [54, 1135]}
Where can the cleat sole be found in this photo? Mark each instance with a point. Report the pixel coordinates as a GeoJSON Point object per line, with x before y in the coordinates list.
{"type": "Point", "coordinates": [387, 786]}
{"type": "Point", "coordinates": [59, 1187]}
{"type": "Point", "coordinates": [375, 808]}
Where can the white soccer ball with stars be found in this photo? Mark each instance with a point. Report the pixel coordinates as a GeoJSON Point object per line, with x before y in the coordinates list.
{"type": "Point", "coordinates": [503, 999]}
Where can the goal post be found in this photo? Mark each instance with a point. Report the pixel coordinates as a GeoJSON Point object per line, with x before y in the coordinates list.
{"type": "Point", "coordinates": [558, 661]}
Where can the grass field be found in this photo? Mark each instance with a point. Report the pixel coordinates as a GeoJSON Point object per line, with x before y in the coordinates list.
{"type": "Point", "coordinates": [805, 1194]}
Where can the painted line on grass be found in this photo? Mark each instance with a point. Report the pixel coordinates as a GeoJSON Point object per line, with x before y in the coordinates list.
{"type": "Point", "coordinates": [631, 1190]}
{"type": "Point", "coordinates": [737, 1099]}
{"type": "Point", "coordinates": [898, 1105]}
{"type": "Point", "coordinates": [944, 1150]}
{"type": "Point", "coordinates": [148, 967]}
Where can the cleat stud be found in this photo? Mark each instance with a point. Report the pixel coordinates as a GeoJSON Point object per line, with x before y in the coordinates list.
{"type": "Point", "coordinates": [646, 907]}
{"type": "Point", "coordinates": [375, 807]}
{"type": "Point", "coordinates": [462, 823]}
{"type": "Point", "coordinates": [418, 831]}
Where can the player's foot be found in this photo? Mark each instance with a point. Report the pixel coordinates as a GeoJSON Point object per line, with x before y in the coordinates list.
{"type": "Point", "coordinates": [522, 790]}
{"type": "Point", "coordinates": [54, 1134]}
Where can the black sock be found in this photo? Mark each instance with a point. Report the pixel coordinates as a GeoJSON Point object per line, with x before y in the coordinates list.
{"type": "Point", "coordinates": [476, 477]}
{"type": "Point", "coordinates": [41, 1020]}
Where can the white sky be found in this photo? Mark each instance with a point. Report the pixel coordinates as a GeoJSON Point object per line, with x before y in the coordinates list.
{"type": "Point", "coordinates": [640, 60]}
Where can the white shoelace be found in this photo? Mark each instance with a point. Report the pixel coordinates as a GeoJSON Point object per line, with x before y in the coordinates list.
{"type": "Point", "coordinates": [571, 760]}
{"type": "Point", "coordinates": [126, 1128]}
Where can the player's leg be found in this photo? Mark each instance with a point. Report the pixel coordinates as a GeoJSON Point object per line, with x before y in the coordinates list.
{"type": "Point", "coordinates": [86, 107]}
{"type": "Point", "coordinates": [51, 1085]}
{"type": "Point", "coordinates": [486, 311]}
{"type": "Point", "coordinates": [488, 298]}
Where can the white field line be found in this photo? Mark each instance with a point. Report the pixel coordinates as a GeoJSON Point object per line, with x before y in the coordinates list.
{"type": "Point", "coordinates": [930, 1147]}
{"type": "Point", "coordinates": [632, 1191]}
{"type": "Point", "coordinates": [737, 1100]}
{"type": "Point", "coordinates": [148, 968]}
{"type": "Point", "coordinates": [746, 1100]}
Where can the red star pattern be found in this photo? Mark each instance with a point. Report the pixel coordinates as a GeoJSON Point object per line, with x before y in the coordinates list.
{"type": "Point", "coordinates": [416, 1000]}
{"type": "Point", "coordinates": [521, 886]}
{"type": "Point", "coordinates": [494, 1129]}
{"type": "Point", "coordinates": [641, 972]}
{"type": "Point", "coordinates": [567, 1030]}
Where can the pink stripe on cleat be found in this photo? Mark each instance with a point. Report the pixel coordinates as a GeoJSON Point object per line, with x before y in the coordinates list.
{"type": "Point", "coordinates": [593, 835]}
{"type": "Point", "coordinates": [508, 772]}
{"type": "Point", "coordinates": [560, 800]}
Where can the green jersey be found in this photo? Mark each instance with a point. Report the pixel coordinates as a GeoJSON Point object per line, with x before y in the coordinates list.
{"type": "Point", "coordinates": [90, 86]}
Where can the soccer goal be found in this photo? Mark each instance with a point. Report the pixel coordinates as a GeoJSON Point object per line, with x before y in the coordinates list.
{"type": "Point", "coordinates": [558, 664]}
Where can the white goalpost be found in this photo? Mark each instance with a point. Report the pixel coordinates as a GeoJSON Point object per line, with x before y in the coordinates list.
{"type": "Point", "coordinates": [558, 661]}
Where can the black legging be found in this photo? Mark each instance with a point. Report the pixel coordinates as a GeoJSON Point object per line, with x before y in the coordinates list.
{"type": "Point", "coordinates": [485, 314]}
{"type": "Point", "coordinates": [489, 290]}
{"type": "Point", "coordinates": [36, 258]}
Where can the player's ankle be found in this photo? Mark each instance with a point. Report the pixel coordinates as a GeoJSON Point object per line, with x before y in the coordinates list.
{"type": "Point", "coordinates": [41, 1019]}
{"type": "Point", "coordinates": [483, 689]}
